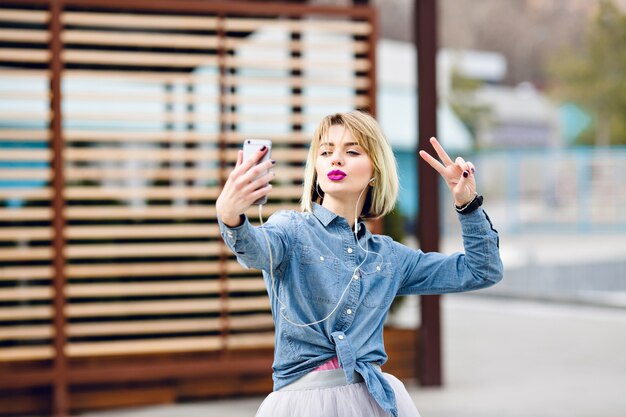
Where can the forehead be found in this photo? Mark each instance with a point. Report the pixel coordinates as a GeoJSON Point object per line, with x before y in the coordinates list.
{"type": "Point", "coordinates": [337, 135]}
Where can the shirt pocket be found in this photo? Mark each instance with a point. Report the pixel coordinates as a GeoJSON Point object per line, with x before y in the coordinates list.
{"type": "Point", "coordinates": [377, 285]}
{"type": "Point", "coordinates": [319, 275]}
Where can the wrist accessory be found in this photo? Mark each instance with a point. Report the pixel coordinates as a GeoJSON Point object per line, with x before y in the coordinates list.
{"type": "Point", "coordinates": [476, 202]}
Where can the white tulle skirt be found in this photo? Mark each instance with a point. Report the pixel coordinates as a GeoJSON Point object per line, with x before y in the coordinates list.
{"type": "Point", "coordinates": [326, 394]}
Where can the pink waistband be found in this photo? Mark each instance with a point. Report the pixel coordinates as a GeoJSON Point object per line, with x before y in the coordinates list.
{"type": "Point", "coordinates": [331, 364]}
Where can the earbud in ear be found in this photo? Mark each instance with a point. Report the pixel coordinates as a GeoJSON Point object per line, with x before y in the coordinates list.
{"type": "Point", "coordinates": [372, 180]}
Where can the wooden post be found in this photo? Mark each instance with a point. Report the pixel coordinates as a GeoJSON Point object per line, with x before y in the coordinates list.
{"type": "Point", "coordinates": [425, 26]}
{"type": "Point", "coordinates": [60, 402]}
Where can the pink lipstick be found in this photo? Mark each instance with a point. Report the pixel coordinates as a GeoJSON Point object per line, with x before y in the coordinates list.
{"type": "Point", "coordinates": [336, 175]}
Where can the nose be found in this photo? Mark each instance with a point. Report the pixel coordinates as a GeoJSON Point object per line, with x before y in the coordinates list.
{"type": "Point", "coordinates": [336, 161]}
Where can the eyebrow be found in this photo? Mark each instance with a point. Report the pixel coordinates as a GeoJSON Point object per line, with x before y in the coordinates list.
{"type": "Point", "coordinates": [333, 145]}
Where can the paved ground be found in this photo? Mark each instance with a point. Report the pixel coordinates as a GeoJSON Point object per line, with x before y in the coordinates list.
{"type": "Point", "coordinates": [503, 358]}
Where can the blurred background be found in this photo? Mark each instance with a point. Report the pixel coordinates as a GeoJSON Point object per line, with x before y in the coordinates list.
{"type": "Point", "coordinates": [117, 133]}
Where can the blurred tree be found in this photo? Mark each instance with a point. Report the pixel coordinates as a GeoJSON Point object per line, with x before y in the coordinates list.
{"type": "Point", "coordinates": [593, 76]}
{"type": "Point", "coordinates": [462, 99]}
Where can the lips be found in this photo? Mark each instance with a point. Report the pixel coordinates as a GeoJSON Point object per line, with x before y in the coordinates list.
{"type": "Point", "coordinates": [336, 175]}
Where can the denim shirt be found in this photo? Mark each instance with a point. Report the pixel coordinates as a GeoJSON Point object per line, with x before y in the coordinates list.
{"type": "Point", "coordinates": [314, 257]}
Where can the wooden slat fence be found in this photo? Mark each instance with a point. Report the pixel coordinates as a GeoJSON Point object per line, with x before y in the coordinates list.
{"type": "Point", "coordinates": [119, 122]}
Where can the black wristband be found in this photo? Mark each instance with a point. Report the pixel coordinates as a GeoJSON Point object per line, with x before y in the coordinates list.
{"type": "Point", "coordinates": [473, 205]}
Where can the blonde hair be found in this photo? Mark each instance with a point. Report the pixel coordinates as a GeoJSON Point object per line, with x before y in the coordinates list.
{"type": "Point", "coordinates": [381, 196]}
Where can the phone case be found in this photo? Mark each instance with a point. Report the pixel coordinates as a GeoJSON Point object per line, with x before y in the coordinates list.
{"type": "Point", "coordinates": [250, 148]}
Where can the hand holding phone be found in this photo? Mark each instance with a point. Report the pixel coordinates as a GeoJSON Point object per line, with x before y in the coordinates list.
{"type": "Point", "coordinates": [251, 147]}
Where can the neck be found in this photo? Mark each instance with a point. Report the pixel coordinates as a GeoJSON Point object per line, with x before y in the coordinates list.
{"type": "Point", "coordinates": [344, 208]}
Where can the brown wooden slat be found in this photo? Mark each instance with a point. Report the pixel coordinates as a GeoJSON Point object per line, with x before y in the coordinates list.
{"type": "Point", "coordinates": [152, 269]}
{"type": "Point", "coordinates": [304, 46]}
{"type": "Point", "coordinates": [24, 16]}
{"type": "Point", "coordinates": [142, 289]}
{"type": "Point", "coordinates": [25, 174]}
{"type": "Point", "coordinates": [25, 233]}
{"type": "Point", "coordinates": [130, 308]}
{"type": "Point", "coordinates": [354, 101]}
{"type": "Point", "coordinates": [250, 341]}
{"type": "Point", "coordinates": [271, 118]}
{"type": "Point", "coordinates": [25, 73]}
{"type": "Point", "coordinates": [143, 327]}
{"type": "Point", "coordinates": [107, 154]}
{"type": "Point", "coordinates": [26, 353]}
{"type": "Point", "coordinates": [159, 288]}
{"type": "Point", "coordinates": [143, 96]}
{"type": "Point", "coordinates": [140, 231]}
{"type": "Point", "coordinates": [25, 273]}
{"type": "Point", "coordinates": [132, 136]}
{"type": "Point", "coordinates": [145, 39]}
{"type": "Point", "coordinates": [250, 322]}
{"type": "Point", "coordinates": [24, 95]}
{"type": "Point", "coordinates": [356, 82]}
{"type": "Point", "coordinates": [167, 326]}
{"type": "Point", "coordinates": [40, 155]}
{"type": "Point", "coordinates": [24, 55]}
{"type": "Point", "coordinates": [26, 332]}
{"type": "Point", "coordinates": [34, 194]}
{"type": "Point", "coordinates": [247, 303]}
{"type": "Point", "coordinates": [130, 58]}
{"type": "Point", "coordinates": [281, 155]}
{"type": "Point", "coordinates": [286, 138]}
{"type": "Point", "coordinates": [126, 250]}
{"type": "Point", "coordinates": [23, 35]}
{"type": "Point", "coordinates": [162, 116]}
{"type": "Point", "coordinates": [164, 192]}
{"type": "Point", "coordinates": [348, 27]}
{"type": "Point", "coordinates": [25, 135]}
{"type": "Point", "coordinates": [26, 293]}
{"type": "Point", "coordinates": [31, 115]}
{"type": "Point", "coordinates": [160, 212]}
{"type": "Point", "coordinates": [26, 254]}
{"type": "Point", "coordinates": [28, 213]}
{"type": "Point", "coordinates": [25, 313]}
{"type": "Point", "coordinates": [148, 173]}
{"type": "Point", "coordinates": [114, 20]}
{"type": "Point", "coordinates": [179, 344]}
{"type": "Point", "coordinates": [161, 192]}
{"type": "Point", "coordinates": [142, 76]}
{"type": "Point", "coordinates": [298, 64]}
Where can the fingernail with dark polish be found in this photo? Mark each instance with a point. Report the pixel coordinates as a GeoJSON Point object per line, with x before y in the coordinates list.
{"type": "Point", "coordinates": [262, 148]}
{"type": "Point", "coordinates": [465, 174]}
{"type": "Point", "coordinates": [273, 162]}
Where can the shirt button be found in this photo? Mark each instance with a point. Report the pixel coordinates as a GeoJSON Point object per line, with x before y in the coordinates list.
{"type": "Point", "coordinates": [355, 277]}
{"type": "Point", "coordinates": [348, 311]}
{"type": "Point", "coordinates": [340, 337]}
{"type": "Point", "coordinates": [321, 258]}
{"type": "Point", "coordinates": [349, 250]}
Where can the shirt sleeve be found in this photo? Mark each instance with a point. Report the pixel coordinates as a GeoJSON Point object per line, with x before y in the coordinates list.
{"type": "Point", "coordinates": [435, 273]}
{"type": "Point", "coordinates": [252, 244]}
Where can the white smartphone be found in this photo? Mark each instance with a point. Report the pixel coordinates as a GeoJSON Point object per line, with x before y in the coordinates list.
{"type": "Point", "coordinates": [250, 149]}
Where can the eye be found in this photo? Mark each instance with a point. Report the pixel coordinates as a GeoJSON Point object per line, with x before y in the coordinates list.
{"type": "Point", "coordinates": [353, 152]}
{"type": "Point", "coordinates": [324, 153]}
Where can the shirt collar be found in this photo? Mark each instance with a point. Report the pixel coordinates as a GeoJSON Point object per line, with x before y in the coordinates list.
{"type": "Point", "coordinates": [326, 216]}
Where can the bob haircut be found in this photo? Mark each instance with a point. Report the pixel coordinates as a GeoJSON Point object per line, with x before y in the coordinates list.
{"type": "Point", "coordinates": [381, 195]}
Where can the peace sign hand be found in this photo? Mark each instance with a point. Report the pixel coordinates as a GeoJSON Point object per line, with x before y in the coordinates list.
{"type": "Point", "coordinates": [459, 175]}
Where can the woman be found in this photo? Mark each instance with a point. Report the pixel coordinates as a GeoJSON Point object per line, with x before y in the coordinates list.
{"type": "Point", "coordinates": [331, 282]}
